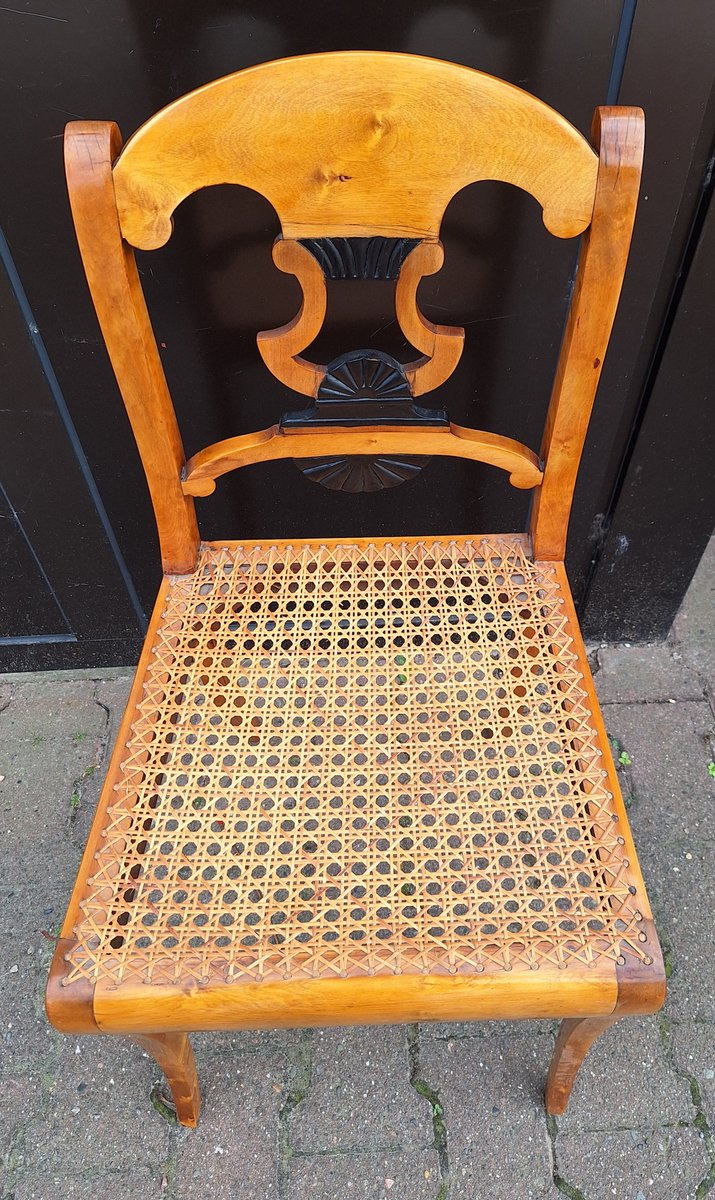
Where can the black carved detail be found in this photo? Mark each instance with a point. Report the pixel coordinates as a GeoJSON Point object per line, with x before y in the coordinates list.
{"type": "Point", "coordinates": [360, 472]}
{"type": "Point", "coordinates": [360, 257]}
{"type": "Point", "coordinates": [365, 387]}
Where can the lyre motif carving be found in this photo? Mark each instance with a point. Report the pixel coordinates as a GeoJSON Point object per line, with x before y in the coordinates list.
{"type": "Point", "coordinates": [355, 389]}
{"type": "Point", "coordinates": [312, 260]}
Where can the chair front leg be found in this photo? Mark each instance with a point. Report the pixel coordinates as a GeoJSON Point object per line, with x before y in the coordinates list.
{"type": "Point", "coordinates": [173, 1053]}
{"type": "Point", "coordinates": [576, 1036]}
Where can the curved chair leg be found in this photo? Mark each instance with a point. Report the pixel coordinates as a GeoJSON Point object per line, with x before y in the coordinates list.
{"type": "Point", "coordinates": [576, 1036]}
{"type": "Point", "coordinates": [173, 1053]}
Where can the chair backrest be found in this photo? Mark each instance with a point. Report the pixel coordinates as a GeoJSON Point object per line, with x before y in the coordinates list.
{"type": "Point", "coordinates": [359, 153]}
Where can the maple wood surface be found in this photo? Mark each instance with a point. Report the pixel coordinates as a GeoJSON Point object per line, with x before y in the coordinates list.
{"type": "Point", "coordinates": [267, 445]}
{"type": "Point", "coordinates": [353, 143]}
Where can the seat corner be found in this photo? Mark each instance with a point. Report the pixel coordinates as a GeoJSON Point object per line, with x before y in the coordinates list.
{"type": "Point", "coordinates": [69, 1005]}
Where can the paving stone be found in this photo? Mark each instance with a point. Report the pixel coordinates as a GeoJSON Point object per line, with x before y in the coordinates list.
{"type": "Point", "coordinates": [110, 1185]}
{"type": "Point", "coordinates": [627, 1081]}
{"type": "Point", "coordinates": [669, 746]}
{"type": "Point", "coordinates": [693, 1049]}
{"type": "Point", "coordinates": [111, 699]}
{"type": "Point", "coordinates": [680, 885]}
{"type": "Point", "coordinates": [367, 1176]}
{"type": "Point", "coordinates": [451, 1030]}
{"type": "Point", "coordinates": [222, 1043]}
{"type": "Point", "coordinates": [360, 1094]}
{"type": "Point", "coordinates": [491, 1094]}
{"type": "Point", "coordinates": [28, 920]}
{"type": "Point", "coordinates": [693, 626]}
{"type": "Point", "coordinates": [51, 736]}
{"type": "Point", "coordinates": [98, 1110]}
{"type": "Point", "coordinates": [20, 1098]}
{"type": "Point", "coordinates": [628, 674]}
{"type": "Point", "coordinates": [233, 1152]}
{"type": "Point", "coordinates": [361, 1129]}
{"type": "Point", "coordinates": [663, 1164]}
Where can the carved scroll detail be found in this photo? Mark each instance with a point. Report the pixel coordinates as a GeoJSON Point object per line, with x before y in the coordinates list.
{"type": "Point", "coordinates": [311, 260]}
{"type": "Point", "coordinates": [280, 348]}
{"type": "Point", "coordinates": [441, 345]}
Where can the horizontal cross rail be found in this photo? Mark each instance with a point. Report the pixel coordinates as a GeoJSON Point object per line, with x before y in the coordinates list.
{"type": "Point", "coordinates": [204, 468]}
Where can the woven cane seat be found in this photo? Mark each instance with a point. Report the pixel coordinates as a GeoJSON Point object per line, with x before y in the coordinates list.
{"type": "Point", "coordinates": [359, 760]}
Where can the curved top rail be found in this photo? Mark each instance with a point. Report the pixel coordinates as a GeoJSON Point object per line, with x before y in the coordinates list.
{"type": "Point", "coordinates": [354, 143]}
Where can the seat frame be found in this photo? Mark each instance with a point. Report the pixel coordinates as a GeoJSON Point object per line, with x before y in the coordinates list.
{"type": "Point", "coordinates": [456, 126]}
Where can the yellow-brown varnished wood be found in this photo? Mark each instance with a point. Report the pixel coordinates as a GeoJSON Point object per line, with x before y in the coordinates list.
{"type": "Point", "coordinates": [361, 780]}
{"type": "Point", "coordinates": [619, 133]}
{"type": "Point", "coordinates": [204, 468]}
{"type": "Point", "coordinates": [90, 148]}
{"type": "Point", "coordinates": [173, 1053]}
{"type": "Point", "coordinates": [510, 958]}
{"type": "Point", "coordinates": [383, 1000]}
{"type": "Point", "coordinates": [280, 348]}
{"type": "Point", "coordinates": [441, 345]}
{"type": "Point", "coordinates": [576, 1036]}
{"type": "Point", "coordinates": [354, 143]}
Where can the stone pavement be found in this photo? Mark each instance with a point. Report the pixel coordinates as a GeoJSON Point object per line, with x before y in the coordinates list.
{"type": "Point", "coordinates": [414, 1113]}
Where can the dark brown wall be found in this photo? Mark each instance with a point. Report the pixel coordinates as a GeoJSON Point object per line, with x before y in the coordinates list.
{"type": "Point", "coordinates": [214, 286]}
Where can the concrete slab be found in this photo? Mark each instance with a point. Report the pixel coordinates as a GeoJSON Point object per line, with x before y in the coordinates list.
{"type": "Point", "coordinates": [360, 1094]}
{"type": "Point", "coordinates": [110, 1185]}
{"type": "Point", "coordinates": [669, 747]}
{"type": "Point", "coordinates": [97, 1112]}
{"type": "Point", "coordinates": [681, 890]}
{"type": "Point", "coordinates": [490, 1092]}
{"type": "Point", "coordinates": [626, 674]}
{"type": "Point", "coordinates": [234, 1151]}
{"type": "Point", "coordinates": [665, 1164]}
{"type": "Point", "coordinates": [368, 1175]}
{"type": "Point", "coordinates": [51, 744]}
{"type": "Point", "coordinates": [693, 1055]}
{"type": "Point", "coordinates": [693, 626]}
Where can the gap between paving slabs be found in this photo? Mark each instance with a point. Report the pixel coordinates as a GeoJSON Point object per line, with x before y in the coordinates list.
{"type": "Point", "coordinates": [692, 688]}
{"type": "Point", "coordinates": [302, 1058]}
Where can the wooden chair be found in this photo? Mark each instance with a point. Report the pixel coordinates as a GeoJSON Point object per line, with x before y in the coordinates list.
{"type": "Point", "coordinates": [357, 781]}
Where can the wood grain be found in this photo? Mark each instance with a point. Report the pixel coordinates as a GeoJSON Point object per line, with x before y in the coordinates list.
{"type": "Point", "coordinates": [204, 468]}
{"type": "Point", "coordinates": [90, 148]}
{"type": "Point", "coordinates": [136, 1008]}
{"type": "Point", "coordinates": [576, 1036]}
{"type": "Point", "coordinates": [441, 345]}
{"type": "Point", "coordinates": [351, 144]}
{"type": "Point", "coordinates": [619, 133]}
{"type": "Point", "coordinates": [173, 1053]}
{"type": "Point", "coordinates": [280, 348]}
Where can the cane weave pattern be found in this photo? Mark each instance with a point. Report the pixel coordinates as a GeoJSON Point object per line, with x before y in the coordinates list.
{"type": "Point", "coordinates": [359, 760]}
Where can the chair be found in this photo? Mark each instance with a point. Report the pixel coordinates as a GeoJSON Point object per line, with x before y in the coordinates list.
{"type": "Point", "coordinates": [357, 781]}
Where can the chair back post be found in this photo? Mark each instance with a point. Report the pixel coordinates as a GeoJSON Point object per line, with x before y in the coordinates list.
{"type": "Point", "coordinates": [618, 134]}
{"type": "Point", "coordinates": [90, 150]}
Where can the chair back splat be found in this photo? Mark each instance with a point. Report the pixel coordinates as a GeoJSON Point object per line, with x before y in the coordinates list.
{"type": "Point", "coordinates": [359, 155]}
{"type": "Point", "coordinates": [361, 780]}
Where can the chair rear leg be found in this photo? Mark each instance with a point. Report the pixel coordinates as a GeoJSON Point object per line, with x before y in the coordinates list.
{"type": "Point", "coordinates": [576, 1036]}
{"type": "Point", "coordinates": [173, 1053]}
